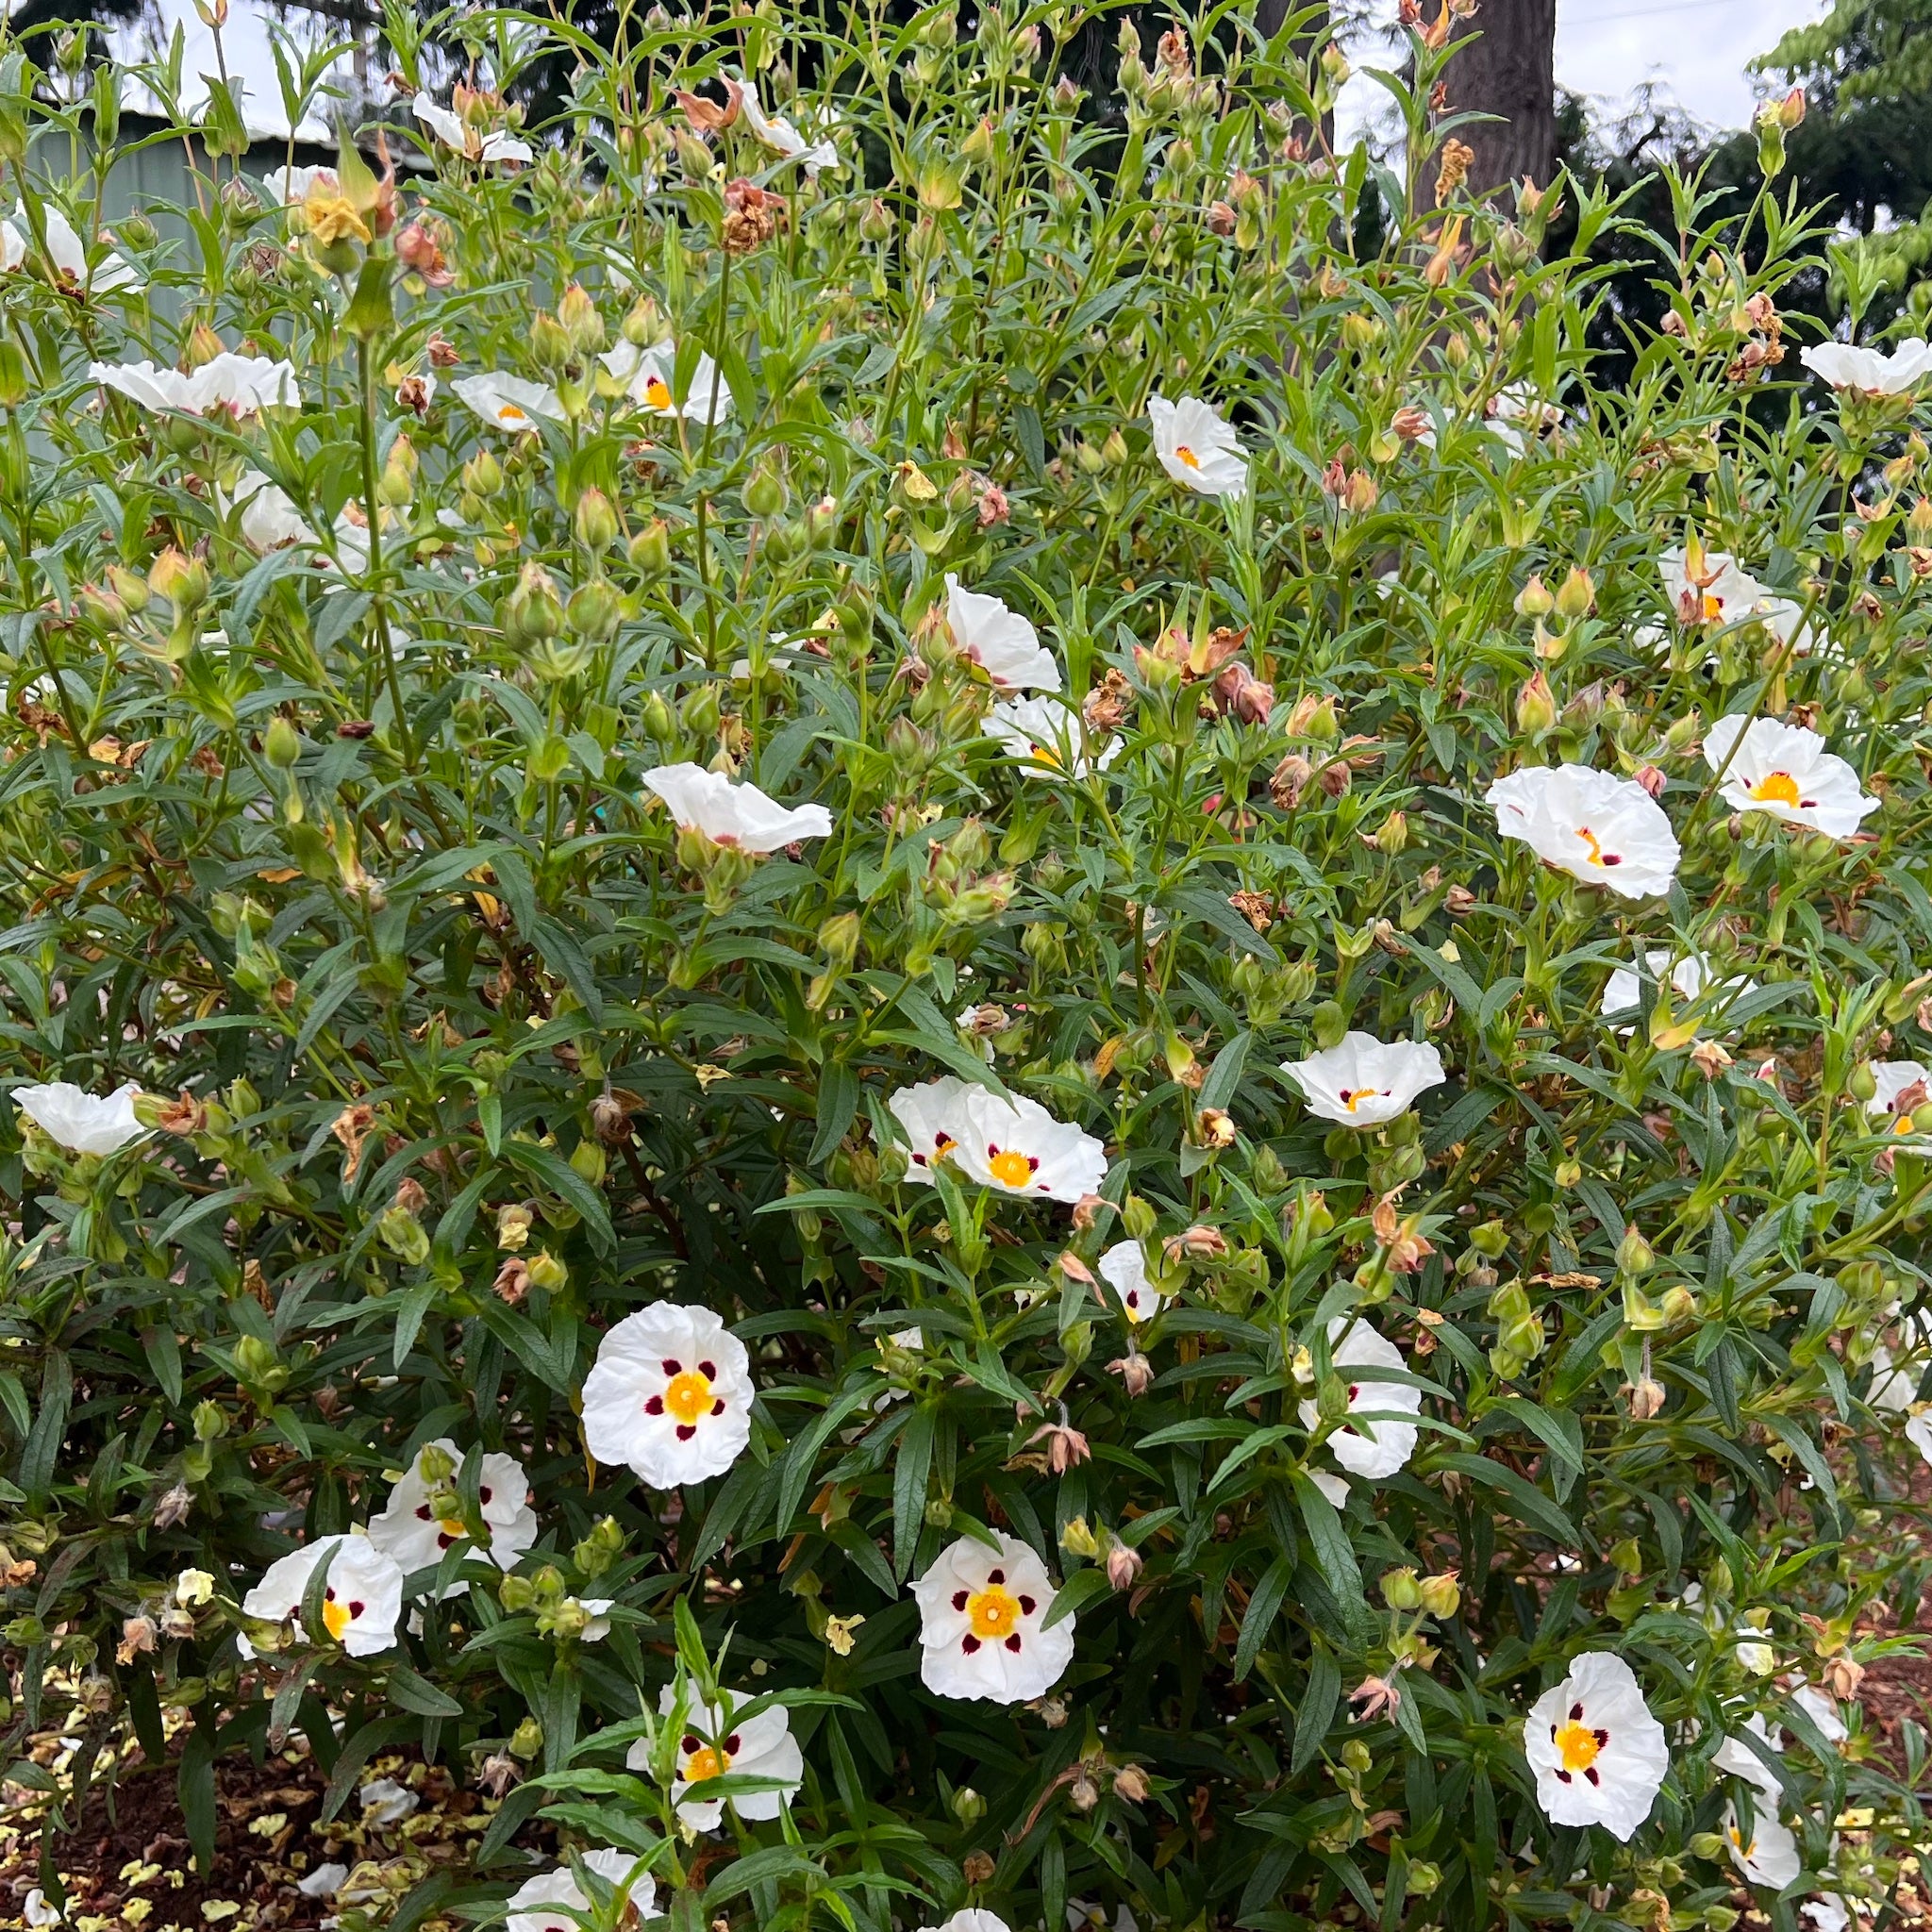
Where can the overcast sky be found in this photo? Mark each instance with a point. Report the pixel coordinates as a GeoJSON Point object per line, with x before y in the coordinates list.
{"type": "Point", "coordinates": [1695, 50]}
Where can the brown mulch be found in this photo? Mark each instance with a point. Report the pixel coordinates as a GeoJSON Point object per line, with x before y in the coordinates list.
{"type": "Point", "coordinates": [129, 1867]}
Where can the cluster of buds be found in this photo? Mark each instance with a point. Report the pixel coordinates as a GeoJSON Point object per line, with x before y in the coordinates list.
{"type": "Point", "coordinates": [1171, 88]}
{"type": "Point", "coordinates": [1351, 488]}
{"type": "Point", "coordinates": [1240, 214]}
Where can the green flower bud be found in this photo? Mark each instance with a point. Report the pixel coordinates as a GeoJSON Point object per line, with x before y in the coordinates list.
{"type": "Point", "coordinates": [532, 613]}
{"type": "Point", "coordinates": [526, 1739]}
{"type": "Point", "coordinates": [404, 1235]}
{"type": "Point", "coordinates": [650, 549]}
{"type": "Point", "coordinates": [281, 743]}
{"type": "Point", "coordinates": [595, 521]}
{"type": "Point", "coordinates": [547, 1271]}
{"type": "Point", "coordinates": [1400, 1589]}
{"type": "Point", "coordinates": [210, 1422]}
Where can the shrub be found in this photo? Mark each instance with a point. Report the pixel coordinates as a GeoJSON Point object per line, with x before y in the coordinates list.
{"type": "Point", "coordinates": [950, 1035]}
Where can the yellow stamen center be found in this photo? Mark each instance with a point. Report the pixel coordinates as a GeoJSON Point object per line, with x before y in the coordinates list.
{"type": "Point", "coordinates": [1778, 787]}
{"type": "Point", "coordinates": [1903, 1125]}
{"type": "Point", "coordinates": [512, 417]}
{"type": "Point", "coordinates": [1010, 1168]}
{"type": "Point", "coordinates": [708, 1762]}
{"type": "Point", "coordinates": [1588, 837]}
{"type": "Point", "coordinates": [1576, 1744]}
{"type": "Point", "coordinates": [657, 393]}
{"type": "Point", "coordinates": [993, 1612]}
{"type": "Point", "coordinates": [337, 1617]}
{"type": "Point", "coordinates": [687, 1395]}
{"type": "Point", "coordinates": [1187, 457]}
{"type": "Point", "coordinates": [1352, 1097]}
{"type": "Point", "coordinates": [1713, 608]}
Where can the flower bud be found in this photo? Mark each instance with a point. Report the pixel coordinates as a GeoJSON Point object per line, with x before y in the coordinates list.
{"type": "Point", "coordinates": [1400, 1589]}
{"type": "Point", "coordinates": [1534, 599]}
{"type": "Point", "coordinates": [550, 343]}
{"type": "Point", "coordinates": [1441, 1596]}
{"type": "Point", "coordinates": [1576, 595]}
{"type": "Point", "coordinates": [577, 314]}
{"type": "Point", "coordinates": [281, 743]}
{"type": "Point", "coordinates": [1078, 1539]}
{"type": "Point", "coordinates": [969, 1807]}
{"type": "Point", "coordinates": [595, 521]}
{"type": "Point", "coordinates": [181, 579]}
{"type": "Point", "coordinates": [1535, 708]}
{"type": "Point", "coordinates": [595, 611]}
{"type": "Point", "coordinates": [650, 549]}
{"type": "Point", "coordinates": [526, 1739]}
{"type": "Point", "coordinates": [547, 1271]}
{"type": "Point", "coordinates": [532, 613]}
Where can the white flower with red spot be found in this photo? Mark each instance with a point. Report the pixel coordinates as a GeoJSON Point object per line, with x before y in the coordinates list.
{"type": "Point", "coordinates": [1048, 740]}
{"type": "Point", "coordinates": [1123, 1268]}
{"type": "Point", "coordinates": [1605, 830]}
{"type": "Point", "coordinates": [555, 1902]}
{"type": "Point", "coordinates": [361, 1599]}
{"type": "Point", "coordinates": [81, 1122]}
{"type": "Point", "coordinates": [1002, 643]}
{"type": "Point", "coordinates": [1785, 771]}
{"type": "Point", "coordinates": [1362, 1081]}
{"type": "Point", "coordinates": [1376, 1440]}
{"type": "Point", "coordinates": [1197, 446]}
{"type": "Point", "coordinates": [411, 1530]}
{"type": "Point", "coordinates": [982, 1624]}
{"type": "Point", "coordinates": [66, 253]}
{"type": "Point", "coordinates": [226, 384]}
{"type": "Point", "coordinates": [731, 814]}
{"type": "Point", "coordinates": [1899, 1089]}
{"type": "Point", "coordinates": [930, 1117]}
{"type": "Point", "coordinates": [1598, 1755]}
{"type": "Point", "coordinates": [1765, 1851]}
{"type": "Point", "coordinates": [670, 1395]}
{"type": "Point", "coordinates": [717, 1743]}
{"type": "Point", "coordinates": [1014, 1146]}
{"type": "Point", "coordinates": [508, 402]}
{"type": "Point", "coordinates": [649, 375]}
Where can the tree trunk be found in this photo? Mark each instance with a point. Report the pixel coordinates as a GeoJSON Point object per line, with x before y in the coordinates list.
{"type": "Point", "coordinates": [1510, 72]}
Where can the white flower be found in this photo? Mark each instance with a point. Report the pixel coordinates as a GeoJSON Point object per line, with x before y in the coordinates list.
{"type": "Point", "coordinates": [1123, 1268]}
{"type": "Point", "coordinates": [999, 640]}
{"type": "Point", "coordinates": [670, 1394]}
{"type": "Point", "coordinates": [973, 1919]}
{"type": "Point", "coordinates": [269, 516]}
{"type": "Point", "coordinates": [1598, 1755]}
{"type": "Point", "coordinates": [731, 814]}
{"type": "Point", "coordinates": [980, 1624]}
{"type": "Point", "coordinates": [508, 402]}
{"type": "Point", "coordinates": [241, 385]}
{"type": "Point", "coordinates": [1895, 1389]}
{"type": "Point", "coordinates": [362, 1598]}
{"type": "Point", "coordinates": [1082, 1917]}
{"type": "Point", "coordinates": [1822, 1708]}
{"type": "Point", "coordinates": [554, 1902]}
{"type": "Point", "coordinates": [448, 128]}
{"type": "Point", "coordinates": [385, 1802]}
{"type": "Point", "coordinates": [1732, 596]}
{"type": "Point", "coordinates": [409, 1531]}
{"type": "Point", "coordinates": [1826, 1912]}
{"type": "Point", "coordinates": [1377, 1443]}
{"type": "Point", "coordinates": [1196, 446]}
{"type": "Point", "coordinates": [1623, 991]}
{"type": "Point", "coordinates": [931, 1117]}
{"type": "Point", "coordinates": [1334, 1486]}
{"type": "Point", "coordinates": [780, 135]}
{"type": "Point", "coordinates": [1919, 1434]}
{"type": "Point", "coordinates": [35, 1910]}
{"type": "Point", "coordinates": [1606, 830]}
{"type": "Point", "coordinates": [1785, 770]}
{"type": "Point", "coordinates": [289, 186]}
{"type": "Point", "coordinates": [1735, 1757]}
{"type": "Point", "coordinates": [1869, 371]}
{"type": "Point", "coordinates": [1046, 740]}
{"type": "Point", "coordinates": [1018, 1147]}
{"type": "Point", "coordinates": [716, 1744]}
{"type": "Point", "coordinates": [66, 253]}
{"type": "Point", "coordinates": [323, 1882]}
{"type": "Point", "coordinates": [598, 1612]}
{"type": "Point", "coordinates": [81, 1122]}
{"type": "Point", "coordinates": [648, 375]}
{"type": "Point", "coordinates": [1769, 1854]}
{"type": "Point", "coordinates": [1892, 1080]}
{"type": "Point", "coordinates": [1363, 1081]}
